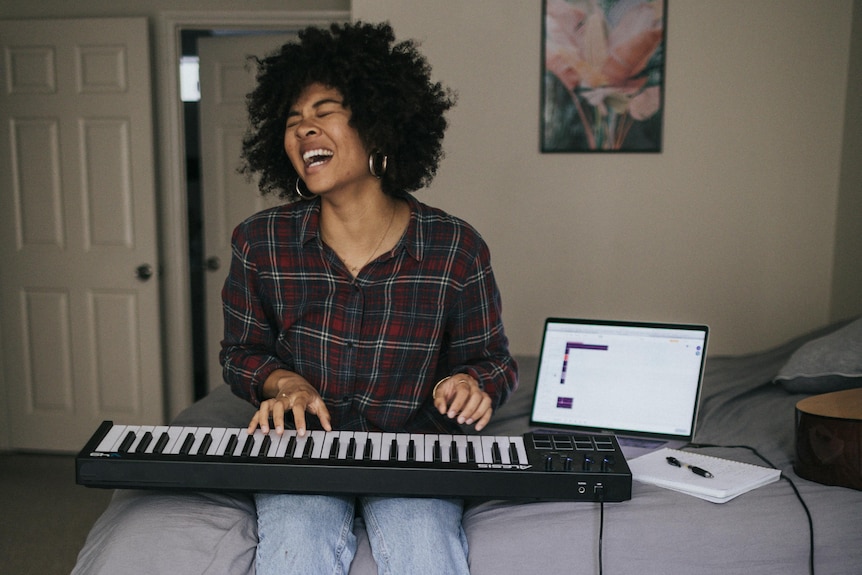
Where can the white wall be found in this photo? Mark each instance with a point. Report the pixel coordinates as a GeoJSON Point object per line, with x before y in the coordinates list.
{"type": "Point", "coordinates": [734, 224]}
{"type": "Point", "coordinates": [847, 282]}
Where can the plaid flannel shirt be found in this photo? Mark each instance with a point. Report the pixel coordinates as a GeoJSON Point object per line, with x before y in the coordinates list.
{"type": "Point", "coordinates": [373, 346]}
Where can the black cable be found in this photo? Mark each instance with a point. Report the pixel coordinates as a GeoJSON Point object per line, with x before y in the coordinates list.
{"type": "Point", "coordinates": [790, 481]}
{"type": "Point", "coordinates": [601, 529]}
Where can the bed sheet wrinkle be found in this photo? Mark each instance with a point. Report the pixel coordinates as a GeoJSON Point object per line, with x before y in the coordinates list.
{"type": "Point", "coordinates": [540, 537]}
{"type": "Point", "coordinates": [168, 533]}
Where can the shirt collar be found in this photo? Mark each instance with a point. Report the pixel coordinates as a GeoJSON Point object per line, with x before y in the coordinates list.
{"type": "Point", "coordinates": [414, 238]}
{"type": "Point", "coordinates": [310, 227]}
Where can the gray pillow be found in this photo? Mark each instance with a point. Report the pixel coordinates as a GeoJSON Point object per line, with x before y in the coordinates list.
{"type": "Point", "coordinates": [830, 363]}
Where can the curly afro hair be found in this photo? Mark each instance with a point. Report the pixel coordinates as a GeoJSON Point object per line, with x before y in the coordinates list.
{"type": "Point", "coordinates": [395, 107]}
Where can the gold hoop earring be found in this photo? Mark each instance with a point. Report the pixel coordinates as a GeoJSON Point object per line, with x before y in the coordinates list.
{"type": "Point", "coordinates": [377, 163]}
{"type": "Point", "coordinates": [305, 196]}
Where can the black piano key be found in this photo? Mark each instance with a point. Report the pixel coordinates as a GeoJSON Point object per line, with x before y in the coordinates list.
{"type": "Point", "coordinates": [309, 446]}
{"type": "Point", "coordinates": [471, 452]}
{"type": "Point", "coordinates": [291, 447]}
{"type": "Point", "coordinates": [231, 446]}
{"type": "Point", "coordinates": [351, 448]}
{"type": "Point", "coordinates": [146, 439]}
{"type": "Point", "coordinates": [247, 446]}
{"type": "Point", "coordinates": [453, 452]}
{"type": "Point", "coordinates": [264, 446]}
{"type": "Point", "coordinates": [393, 450]}
{"type": "Point", "coordinates": [513, 454]}
{"type": "Point", "coordinates": [333, 450]}
{"type": "Point", "coordinates": [161, 442]}
{"type": "Point", "coordinates": [205, 444]}
{"type": "Point", "coordinates": [368, 451]}
{"type": "Point", "coordinates": [187, 444]}
{"type": "Point", "coordinates": [496, 456]}
{"type": "Point", "coordinates": [411, 451]}
{"type": "Point", "coordinates": [127, 442]}
{"type": "Point", "coordinates": [438, 452]}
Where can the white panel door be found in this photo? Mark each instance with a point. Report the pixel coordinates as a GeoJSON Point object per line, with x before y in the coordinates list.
{"type": "Point", "coordinates": [77, 221]}
{"type": "Point", "coordinates": [226, 77]}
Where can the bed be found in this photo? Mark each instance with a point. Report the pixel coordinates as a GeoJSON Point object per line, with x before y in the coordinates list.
{"type": "Point", "coordinates": [745, 401]}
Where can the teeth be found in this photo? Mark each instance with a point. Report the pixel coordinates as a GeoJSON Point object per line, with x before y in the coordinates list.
{"type": "Point", "coordinates": [313, 157]}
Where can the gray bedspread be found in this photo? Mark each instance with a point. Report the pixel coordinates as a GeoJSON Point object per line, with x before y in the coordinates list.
{"type": "Point", "coordinates": [659, 531]}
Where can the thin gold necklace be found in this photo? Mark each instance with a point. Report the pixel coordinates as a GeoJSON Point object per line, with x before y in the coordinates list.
{"type": "Point", "coordinates": [355, 269]}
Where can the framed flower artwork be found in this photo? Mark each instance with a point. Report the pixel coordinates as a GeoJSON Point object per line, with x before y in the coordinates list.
{"type": "Point", "coordinates": [603, 75]}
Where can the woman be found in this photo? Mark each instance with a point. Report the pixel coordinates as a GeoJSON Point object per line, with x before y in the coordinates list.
{"type": "Point", "coordinates": [356, 307]}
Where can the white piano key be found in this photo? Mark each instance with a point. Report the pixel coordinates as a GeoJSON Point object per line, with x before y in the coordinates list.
{"type": "Point", "coordinates": [326, 445]}
{"type": "Point", "coordinates": [174, 434]}
{"type": "Point", "coordinates": [178, 435]}
{"type": "Point", "coordinates": [428, 452]}
{"type": "Point", "coordinates": [225, 440]}
{"type": "Point", "coordinates": [476, 442]}
{"type": "Point", "coordinates": [257, 437]}
{"type": "Point", "coordinates": [419, 446]}
{"type": "Point", "coordinates": [283, 442]}
{"type": "Point", "coordinates": [376, 445]}
{"type": "Point", "coordinates": [142, 431]}
{"type": "Point", "coordinates": [344, 438]}
{"type": "Point", "coordinates": [158, 431]}
{"type": "Point", "coordinates": [461, 444]}
{"type": "Point", "coordinates": [274, 440]}
{"type": "Point", "coordinates": [300, 444]}
{"type": "Point", "coordinates": [200, 433]}
{"type": "Point", "coordinates": [113, 436]}
{"type": "Point", "coordinates": [386, 440]}
{"type": "Point", "coordinates": [318, 438]}
{"type": "Point", "coordinates": [403, 440]}
{"type": "Point", "coordinates": [487, 445]}
{"type": "Point", "coordinates": [129, 429]}
{"type": "Point", "coordinates": [217, 434]}
{"type": "Point", "coordinates": [503, 444]}
{"type": "Point", "coordinates": [361, 438]}
{"type": "Point", "coordinates": [518, 441]}
{"type": "Point", "coordinates": [445, 446]}
{"type": "Point", "coordinates": [241, 435]}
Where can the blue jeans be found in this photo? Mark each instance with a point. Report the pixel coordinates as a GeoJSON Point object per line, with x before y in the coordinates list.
{"type": "Point", "coordinates": [313, 534]}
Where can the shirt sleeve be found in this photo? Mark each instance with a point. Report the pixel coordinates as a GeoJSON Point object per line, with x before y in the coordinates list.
{"type": "Point", "coordinates": [248, 349]}
{"type": "Point", "coordinates": [478, 344]}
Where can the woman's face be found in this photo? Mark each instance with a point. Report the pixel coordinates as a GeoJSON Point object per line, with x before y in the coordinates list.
{"type": "Point", "coordinates": [325, 150]}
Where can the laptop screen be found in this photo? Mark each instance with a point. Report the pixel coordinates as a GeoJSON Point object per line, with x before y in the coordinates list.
{"type": "Point", "coordinates": [628, 378]}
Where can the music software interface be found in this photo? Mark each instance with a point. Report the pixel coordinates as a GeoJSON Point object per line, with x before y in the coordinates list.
{"type": "Point", "coordinates": [641, 379]}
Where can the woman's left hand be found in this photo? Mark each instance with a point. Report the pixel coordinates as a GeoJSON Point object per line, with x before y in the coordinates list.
{"type": "Point", "coordinates": [459, 396]}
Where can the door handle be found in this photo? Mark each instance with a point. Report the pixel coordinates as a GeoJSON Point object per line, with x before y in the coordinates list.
{"type": "Point", "coordinates": [144, 272]}
{"type": "Point", "coordinates": [212, 264]}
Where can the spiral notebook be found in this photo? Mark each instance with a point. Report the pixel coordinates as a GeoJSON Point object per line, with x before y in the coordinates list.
{"type": "Point", "coordinates": [728, 479]}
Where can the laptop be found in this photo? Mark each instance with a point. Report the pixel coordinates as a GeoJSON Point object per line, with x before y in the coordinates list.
{"type": "Point", "coordinates": [639, 381]}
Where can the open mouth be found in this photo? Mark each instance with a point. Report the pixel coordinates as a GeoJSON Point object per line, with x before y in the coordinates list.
{"type": "Point", "coordinates": [316, 157]}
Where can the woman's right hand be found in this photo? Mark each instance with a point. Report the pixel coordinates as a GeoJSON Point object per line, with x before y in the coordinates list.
{"type": "Point", "coordinates": [289, 392]}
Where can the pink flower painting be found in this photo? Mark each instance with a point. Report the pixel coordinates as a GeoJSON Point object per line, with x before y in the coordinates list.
{"type": "Point", "coordinates": [603, 75]}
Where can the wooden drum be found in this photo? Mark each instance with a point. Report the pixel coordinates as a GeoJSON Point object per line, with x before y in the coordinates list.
{"type": "Point", "coordinates": [829, 438]}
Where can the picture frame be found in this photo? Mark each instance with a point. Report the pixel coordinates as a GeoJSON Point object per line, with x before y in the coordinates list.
{"type": "Point", "coordinates": [603, 68]}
